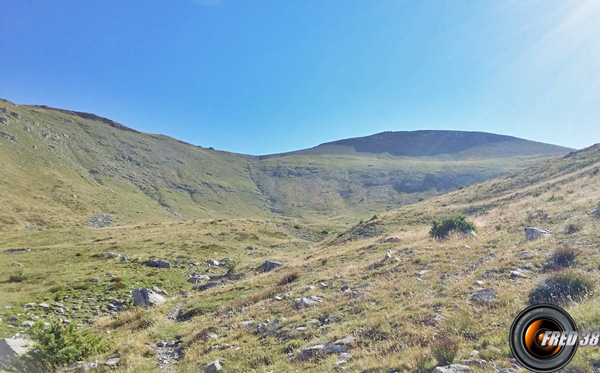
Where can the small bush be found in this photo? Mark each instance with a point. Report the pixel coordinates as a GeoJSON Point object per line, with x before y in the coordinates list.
{"type": "Point", "coordinates": [57, 345]}
{"type": "Point", "coordinates": [445, 227]}
{"type": "Point", "coordinates": [445, 351]}
{"type": "Point", "coordinates": [561, 289]}
{"type": "Point", "coordinates": [18, 276]}
{"type": "Point", "coordinates": [118, 286]}
{"type": "Point", "coordinates": [289, 278]}
{"type": "Point", "coordinates": [564, 257]}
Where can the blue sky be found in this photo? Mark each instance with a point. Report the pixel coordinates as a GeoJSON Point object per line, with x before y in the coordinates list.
{"type": "Point", "coordinates": [262, 77]}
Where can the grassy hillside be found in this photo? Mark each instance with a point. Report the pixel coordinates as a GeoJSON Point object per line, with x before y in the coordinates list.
{"type": "Point", "coordinates": [393, 309]}
{"type": "Point", "coordinates": [59, 168]}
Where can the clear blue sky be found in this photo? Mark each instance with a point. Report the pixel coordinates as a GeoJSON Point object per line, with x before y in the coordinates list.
{"type": "Point", "coordinates": [261, 77]}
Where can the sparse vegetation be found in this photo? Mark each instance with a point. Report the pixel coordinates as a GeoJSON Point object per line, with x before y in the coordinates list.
{"type": "Point", "coordinates": [444, 350]}
{"type": "Point", "coordinates": [453, 224]}
{"type": "Point", "coordinates": [564, 257]}
{"type": "Point", "coordinates": [18, 276]}
{"type": "Point", "coordinates": [561, 289]}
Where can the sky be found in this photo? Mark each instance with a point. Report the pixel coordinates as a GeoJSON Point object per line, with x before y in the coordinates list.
{"type": "Point", "coordinates": [262, 77]}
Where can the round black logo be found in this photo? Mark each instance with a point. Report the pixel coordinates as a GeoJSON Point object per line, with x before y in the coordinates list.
{"type": "Point", "coordinates": [534, 335]}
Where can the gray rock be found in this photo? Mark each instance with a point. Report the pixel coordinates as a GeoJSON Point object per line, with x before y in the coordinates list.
{"type": "Point", "coordinates": [3, 120]}
{"type": "Point", "coordinates": [346, 340]}
{"type": "Point", "coordinates": [29, 306]}
{"type": "Point", "coordinates": [484, 296]}
{"type": "Point", "coordinates": [194, 280]}
{"type": "Point", "coordinates": [517, 274]}
{"type": "Point", "coordinates": [535, 233]}
{"type": "Point", "coordinates": [157, 263]}
{"type": "Point", "coordinates": [12, 348]}
{"type": "Point", "coordinates": [108, 254]}
{"type": "Point", "coordinates": [95, 280]}
{"type": "Point", "coordinates": [112, 361]}
{"type": "Point", "coordinates": [27, 324]}
{"type": "Point", "coordinates": [454, 368]}
{"type": "Point", "coordinates": [269, 265]}
{"type": "Point", "coordinates": [212, 367]}
{"type": "Point", "coordinates": [307, 301]}
{"type": "Point", "coordinates": [89, 366]}
{"type": "Point", "coordinates": [146, 298]}
{"type": "Point", "coordinates": [310, 352]}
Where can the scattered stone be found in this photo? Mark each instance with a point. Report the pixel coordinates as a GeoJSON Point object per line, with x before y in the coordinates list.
{"type": "Point", "coordinates": [250, 248]}
{"type": "Point", "coordinates": [27, 324]}
{"type": "Point", "coordinates": [4, 121]}
{"type": "Point", "coordinates": [516, 274]}
{"type": "Point", "coordinates": [534, 233]}
{"type": "Point", "coordinates": [387, 256]}
{"type": "Point", "coordinates": [346, 340]}
{"type": "Point", "coordinates": [309, 353]}
{"type": "Point", "coordinates": [16, 115]}
{"type": "Point", "coordinates": [17, 251]}
{"type": "Point", "coordinates": [29, 306]}
{"type": "Point", "coordinates": [212, 367]}
{"type": "Point", "coordinates": [107, 254]}
{"type": "Point", "coordinates": [213, 263]}
{"type": "Point", "coordinates": [100, 221]}
{"type": "Point", "coordinates": [490, 273]}
{"type": "Point", "coordinates": [157, 263]}
{"type": "Point", "coordinates": [307, 301]}
{"type": "Point", "coordinates": [89, 366]}
{"type": "Point", "coordinates": [454, 368]}
{"type": "Point", "coordinates": [438, 319]}
{"type": "Point", "coordinates": [146, 298]}
{"type": "Point", "coordinates": [269, 265]}
{"type": "Point", "coordinates": [208, 285]}
{"type": "Point", "coordinates": [158, 290]}
{"type": "Point", "coordinates": [478, 283]}
{"type": "Point", "coordinates": [596, 212]}
{"type": "Point", "coordinates": [523, 255]}
{"type": "Point", "coordinates": [112, 361]}
{"type": "Point", "coordinates": [95, 280]}
{"type": "Point", "coordinates": [194, 280]}
{"type": "Point", "coordinates": [390, 239]}
{"type": "Point", "coordinates": [483, 297]}
{"type": "Point", "coordinates": [474, 363]}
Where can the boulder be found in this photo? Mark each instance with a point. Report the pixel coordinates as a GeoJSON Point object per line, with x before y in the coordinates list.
{"type": "Point", "coordinates": [454, 368]}
{"type": "Point", "coordinates": [269, 266]}
{"type": "Point", "coordinates": [535, 233]}
{"type": "Point", "coordinates": [146, 298]}
{"type": "Point", "coordinates": [112, 362]}
{"type": "Point", "coordinates": [157, 263]}
{"type": "Point", "coordinates": [11, 349]}
{"type": "Point", "coordinates": [212, 367]}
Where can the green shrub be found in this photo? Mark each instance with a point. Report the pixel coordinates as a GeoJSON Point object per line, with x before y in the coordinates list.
{"type": "Point", "coordinates": [445, 351]}
{"type": "Point", "coordinates": [561, 289]}
{"type": "Point", "coordinates": [455, 223]}
{"type": "Point", "coordinates": [18, 276]}
{"type": "Point", "coordinates": [56, 345]}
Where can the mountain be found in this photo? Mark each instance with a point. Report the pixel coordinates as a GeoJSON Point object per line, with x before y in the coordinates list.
{"type": "Point", "coordinates": [454, 144]}
{"type": "Point", "coordinates": [62, 167]}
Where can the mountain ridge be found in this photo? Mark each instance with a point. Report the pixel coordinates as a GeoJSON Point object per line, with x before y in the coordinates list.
{"type": "Point", "coordinates": [62, 166]}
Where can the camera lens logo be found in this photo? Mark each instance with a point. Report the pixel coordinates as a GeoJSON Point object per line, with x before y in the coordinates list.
{"type": "Point", "coordinates": [534, 338]}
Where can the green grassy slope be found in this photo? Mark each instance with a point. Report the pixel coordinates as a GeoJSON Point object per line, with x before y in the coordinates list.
{"type": "Point", "coordinates": [60, 167]}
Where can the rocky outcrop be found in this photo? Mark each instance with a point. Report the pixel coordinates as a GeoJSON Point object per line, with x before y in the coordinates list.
{"type": "Point", "coordinates": [147, 298]}
{"type": "Point", "coordinates": [535, 233]}
{"type": "Point", "coordinates": [157, 263]}
{"type": "Point", "coordinates": [11, 349]}
{"type": "Point", "coordinates": [269, 266]}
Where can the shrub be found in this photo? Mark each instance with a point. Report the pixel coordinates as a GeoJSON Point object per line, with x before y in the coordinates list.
{"type": "Point", "coordinates": [564, 257]}
{"type": "Point", "coordinates": [561, 289]}
{"type": "Point", "coordinates": [445, 351]}
{"type": "Point", "coordinates": [445, 227]}
{"type": "Point", "coordinates": [289, 278]}
{"type": "Point", "coordinates": [118, 286]}
{"type": "Point", "coordinates": [18, 276]}
{"type": "Point", "coordinates": [56, 345]}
